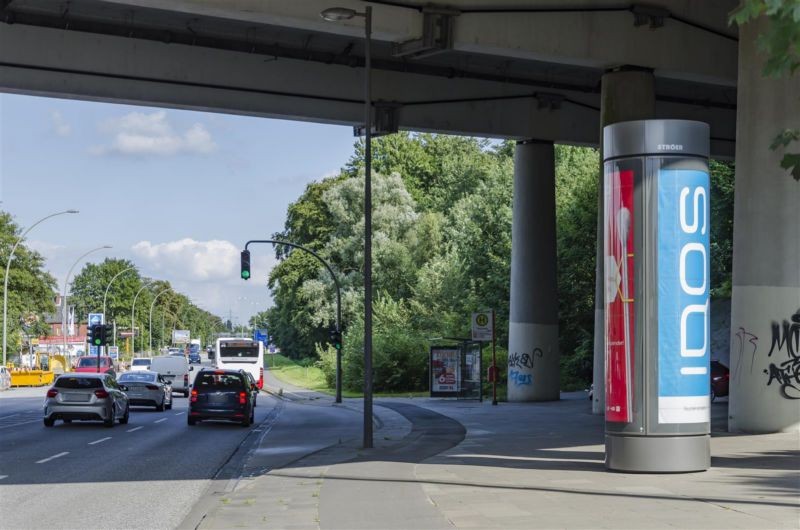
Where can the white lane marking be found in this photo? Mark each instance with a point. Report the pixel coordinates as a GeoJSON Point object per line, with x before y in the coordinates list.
{"type": "Point", "coordinates": [134, 429]}
{"type": "Point", "coordinates": [179, 413]}
{"type": "Point", "coordinates": [3, 476]}
{"type": "Point", "coordinates": [100, 440]}
{"type": "Point", "coordinates": [59, 455]}
{"type": "Point", "coordinates": [159, 421]}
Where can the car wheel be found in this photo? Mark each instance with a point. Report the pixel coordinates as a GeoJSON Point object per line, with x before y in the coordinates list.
{"type": "Point", "coordinates": [160, 406]}
{"type": "Point", "coordinates": [168, 406]}
{"type": "Point", "coordinates": [125, 417]}
{"type": "Point", "coordinates": [252, 415]}
{"type": "Point", "coordinates": [246, 421]}
{"type": "Point", "coordinates": [49, 422]}
{"type": "Point", "coordinates": [191, 421]}
{"type": "Point", "coordinates": [713, 395]}
{"type": "Point", "coordinates": [186, 393]}
{"type": "Point", "coordinates": [110, 421]}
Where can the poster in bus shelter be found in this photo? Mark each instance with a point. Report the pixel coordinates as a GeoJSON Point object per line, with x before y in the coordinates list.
{"type": "Point", "coordinates": [619, 288]}
{"type": "Point", "coordinates": [445, 372]}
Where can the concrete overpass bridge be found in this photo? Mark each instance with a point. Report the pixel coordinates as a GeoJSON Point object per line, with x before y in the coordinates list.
{"type": "Point", "coordinates": [532, 70]}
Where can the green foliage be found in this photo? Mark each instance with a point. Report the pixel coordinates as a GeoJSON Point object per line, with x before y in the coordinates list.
{"type": "Point", "coordinates": [780, 43]}
{"type": "Point", "coordinates": [30, 287]}
{"type": "Point", "coordinates": [721, 237]}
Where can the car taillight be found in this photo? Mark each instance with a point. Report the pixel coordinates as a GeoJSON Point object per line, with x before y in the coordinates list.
{"type": "Point", "coordinates": [151, 387]}
{"type": "Point", "coordinates": [242, 398]}
{"type": "Point", "coordinates": [194, 396]}
{"type": "Point", "coordinates": [261, 377]}
{"type": "Point", "coordinates": [52, 392]}
{"type": "Point", "coordinates": [101, 394]}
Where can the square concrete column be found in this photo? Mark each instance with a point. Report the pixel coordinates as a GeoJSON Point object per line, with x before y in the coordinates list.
{"type": "Point", "coordinates": [765, 310]}
{"type": "Point", "coordinates": [533, 358]}
{"type": "Point", "coordinates": [627, 93]}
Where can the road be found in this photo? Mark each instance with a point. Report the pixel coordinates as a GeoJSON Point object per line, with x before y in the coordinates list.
{"type": "Point", "coordinates": [147, 474]}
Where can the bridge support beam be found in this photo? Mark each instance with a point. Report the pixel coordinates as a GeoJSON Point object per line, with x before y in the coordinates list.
{"type": "Point", "coordinates": [765, 310]}
{"type": "Point", "coordinates": [533, 358]}
{"type": "Point", "coordinates": [626, 94]}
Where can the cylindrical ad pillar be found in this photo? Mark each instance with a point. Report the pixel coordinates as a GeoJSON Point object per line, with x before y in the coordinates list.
{"type": "Point", "coordinates": [657, 339]}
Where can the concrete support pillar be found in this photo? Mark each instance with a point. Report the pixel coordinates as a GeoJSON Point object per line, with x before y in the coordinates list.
{"type": "Point", "coordinates": [626, 94]}
{"type": "Point", "coordinates": [533, 359]}
{"type": "Point", "coordinates": [765, 310]}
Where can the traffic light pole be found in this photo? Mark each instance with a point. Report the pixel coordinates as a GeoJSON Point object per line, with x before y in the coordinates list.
{"type": "Point", "coordinates": [338, 303]}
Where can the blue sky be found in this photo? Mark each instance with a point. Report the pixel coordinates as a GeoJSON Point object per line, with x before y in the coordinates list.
{"type": "Point", "coordinates": [177, 192]}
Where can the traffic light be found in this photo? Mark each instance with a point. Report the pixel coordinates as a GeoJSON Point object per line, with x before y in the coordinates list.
{"type": "Point", "coordinates": [335, 338]}
{"type": "Point", "coordinates": [245, 264]}
{"type": "Point", "coordinates": [97, 336]}
{"type": "Point", "coordinates": [105, 334]}
{"type": "Point", "coordinates": [90, 335]}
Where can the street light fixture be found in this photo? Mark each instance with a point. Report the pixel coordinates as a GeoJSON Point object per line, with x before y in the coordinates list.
{"type": "Point", "coordinates": [336, 14]}
{"type": "Point", "coordinates": [64, 298]}
{"type": "Point", "coordinates": [105, 296]}
{"type": "Point", "coordinates": [8, 268]}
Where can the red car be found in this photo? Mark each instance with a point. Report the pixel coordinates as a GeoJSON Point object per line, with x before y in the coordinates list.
{"type": "Point", "coordinates": [88, 364]}
{"type": "Point", "coordinates": [720, 376]}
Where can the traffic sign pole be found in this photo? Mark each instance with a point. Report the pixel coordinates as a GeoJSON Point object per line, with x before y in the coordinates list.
{"type": "Point", "coordinates": [494, 365]}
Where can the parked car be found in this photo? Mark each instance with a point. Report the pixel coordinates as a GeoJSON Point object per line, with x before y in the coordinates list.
{"type": "Point", "coordinates": [175, 369]}
{"type": "Point", "coordinates": [5, 378]}
{"type": "Point", "coordinates": [86, 397]}
{"type": "Point", "coordinates": [88, 364]}
{"type": "Point", "coordinates": [222, 395]}
{"type": "Point", "coordinates": [720, 378]}
{"type": "Point", "coordinates": [146, 388]}
{"type": "Point", "coordinates": [140, 363]}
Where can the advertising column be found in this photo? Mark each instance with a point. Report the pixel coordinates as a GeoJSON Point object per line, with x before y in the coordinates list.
{"type": "Point", "coordinates": [656, 249]}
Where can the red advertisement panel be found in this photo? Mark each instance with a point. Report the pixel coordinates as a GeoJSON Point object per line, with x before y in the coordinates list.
{"type": "Point", "coordinates": [619, 289]}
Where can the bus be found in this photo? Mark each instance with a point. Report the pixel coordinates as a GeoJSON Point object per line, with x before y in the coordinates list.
{"type": "Point", "coordinates": [245, 354]}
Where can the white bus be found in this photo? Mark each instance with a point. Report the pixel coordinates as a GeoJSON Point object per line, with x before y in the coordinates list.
{"type": "Point", "coordinates": [245, 354]}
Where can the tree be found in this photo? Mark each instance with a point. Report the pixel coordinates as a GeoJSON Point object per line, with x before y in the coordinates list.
{"type": "Point", "coordinates": [31, 289]}
{"type": "Point", "coordinates": [780, 42]}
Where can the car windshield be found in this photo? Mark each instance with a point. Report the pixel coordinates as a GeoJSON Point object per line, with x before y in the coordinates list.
{"type": "Point", "coordinates": [78, 382]}
{"type": "Point", "coordinates": [219, 380]}
{"type": "Point", "coordinates": [194, 348]}
{"type": "Point", "coordinates": [141, 362]}
{"type": "Point", "coordinates": [132, 378]}
{"type": "Point", "coordinates": [92, 361]}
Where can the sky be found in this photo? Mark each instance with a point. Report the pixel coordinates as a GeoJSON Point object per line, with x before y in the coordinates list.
{"type": "Point", "coordinates": [176, 192]}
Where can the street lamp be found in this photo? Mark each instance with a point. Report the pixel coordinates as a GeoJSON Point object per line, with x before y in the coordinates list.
{"type": "Point", "coordinates": [105, 296]}
{"type": "Point", "coordinates": [64, 298]}
{"type": "Point", "coordinates": [133, 315]}
{"type": "Point", "coordinates": [8, 267]}
{"type": "Point", "coordinates": [335, 14]}
{"type": "Point", "coordinates": [151, 317]}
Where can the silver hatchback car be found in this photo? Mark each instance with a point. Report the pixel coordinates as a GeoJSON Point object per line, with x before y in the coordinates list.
{"type": "Point", "coordinates": [84, 396]}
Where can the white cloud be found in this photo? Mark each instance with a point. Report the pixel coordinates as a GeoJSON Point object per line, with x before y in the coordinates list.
{"type": "Point", "coordinates": [60, 126]}
{"type": "Point", "coordinates": [191, 260]}
{"type": "Point", "coordinates": [138, 133]}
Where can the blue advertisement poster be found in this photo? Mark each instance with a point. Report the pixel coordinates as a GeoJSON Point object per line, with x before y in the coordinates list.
{"type": "Point", "coordinates": [683, 296]}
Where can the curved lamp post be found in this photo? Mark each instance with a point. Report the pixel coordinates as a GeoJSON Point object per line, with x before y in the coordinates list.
{"type": "Point", "coordinates": [133, 320]}
{"type": "Point", "coordinates": [64, 298]}
{"type": "Point", "coordinates": [105, 296]}
{"type": "Point", "coordinates": [8, 268]}
{"type": "Point", "coordinates": [336, 14]}
{"type": "Point", "coordinates": [151, 317]}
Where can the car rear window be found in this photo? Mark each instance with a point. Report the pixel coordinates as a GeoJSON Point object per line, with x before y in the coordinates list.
{"type": "Point", "coordinates": [92, 361]}
{"type": "Point", "coordinates": [143, 378]}
{"type": "Point", "coordinates": [78, 382]}
{"type": "Point", "coordinates": [208, 380]}
{"type": "Point", "coordinates": [141, 362]}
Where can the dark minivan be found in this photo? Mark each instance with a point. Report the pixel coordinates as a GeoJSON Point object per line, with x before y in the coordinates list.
{"type": "Point", "coordinates": [222, 395]}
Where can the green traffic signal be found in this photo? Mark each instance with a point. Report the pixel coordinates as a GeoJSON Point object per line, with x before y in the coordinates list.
{"type": "Point", "coordinates": [245, 264]}
{"type": "Point", "coordinates": [245, 274]}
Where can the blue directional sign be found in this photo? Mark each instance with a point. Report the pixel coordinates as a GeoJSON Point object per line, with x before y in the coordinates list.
{"type": "Point", "coordinates": [261, 335]}
{"type": "Point", "coordinates": [95, 319]}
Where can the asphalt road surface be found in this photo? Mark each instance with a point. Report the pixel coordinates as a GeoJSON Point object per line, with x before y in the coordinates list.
{"type": "Point", "coordinates": [146, 474]}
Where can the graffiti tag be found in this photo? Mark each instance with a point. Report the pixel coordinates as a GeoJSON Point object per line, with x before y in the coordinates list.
{"type": "Point", "coordinates": [743, 335]}
{"type": "Point", "coordinates": [786, 336]}
{"type": "Point", "coordinates": [520, 379]}
{"type": "Point", "coordinates": [524, 360]}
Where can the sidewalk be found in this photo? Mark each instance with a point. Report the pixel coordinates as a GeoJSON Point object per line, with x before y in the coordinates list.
{"type": "Point", "coordinates": [471, 465]}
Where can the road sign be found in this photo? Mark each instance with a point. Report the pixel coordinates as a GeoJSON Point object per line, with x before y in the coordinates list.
{"type": "Point", "coordinates": [482, 326]}
{"type": "Point", "coordinates": [95, 319]}
{"type": "Point", "coordinates": [261, 335]}
{"type": "Point", "coordinates": [113, 352]}
{"type": "Point", "coordinates": [180, 336]}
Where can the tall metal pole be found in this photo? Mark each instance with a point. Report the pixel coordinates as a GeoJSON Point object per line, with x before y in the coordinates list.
{"type": "Point", "coordinates": [64, 297]}
{"type": "Point", "coordinates": [8, 268]}
{"type": "Point", "coordinates": [151, 318]}
{"type": "Point", "coordinates": [133, 320]}
{"type": "Point", "coordinates": [367, 231]}
{"type": "Point", "coordinates": [105, 296]}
